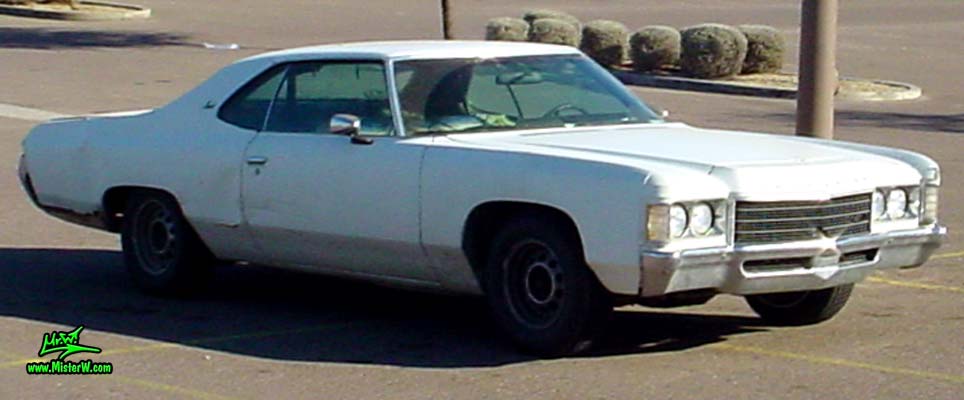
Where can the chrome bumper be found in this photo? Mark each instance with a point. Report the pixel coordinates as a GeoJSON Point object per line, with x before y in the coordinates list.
{"type": "Point", "coordinates": [723, 269]}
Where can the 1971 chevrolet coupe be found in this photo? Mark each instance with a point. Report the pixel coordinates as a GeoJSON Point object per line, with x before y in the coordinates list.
{"type": "Point", "coordinates": [522, 172]}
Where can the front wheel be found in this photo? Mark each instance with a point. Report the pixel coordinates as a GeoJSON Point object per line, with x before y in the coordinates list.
{"type": "Point", "coordinates": [161, 250]}
{"type": "Point", "coordinates": [800, 308]}
{"type": "Point", "coordinates": [542, 294]}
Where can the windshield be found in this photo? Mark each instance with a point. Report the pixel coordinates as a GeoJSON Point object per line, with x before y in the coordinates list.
{"type": "Point", "coordinates": [484, 95]}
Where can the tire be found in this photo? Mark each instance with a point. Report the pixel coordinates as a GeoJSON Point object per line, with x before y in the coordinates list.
{"type": "Point", "coordinates": [163, 254]}
{"type": "Point", "coordinates": [542, 295]}
{"type": "Point", "coordinates": [800, 308]}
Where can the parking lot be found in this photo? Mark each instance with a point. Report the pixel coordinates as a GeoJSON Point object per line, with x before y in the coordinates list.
{"type": "Point", "coordinates": [262, 333]}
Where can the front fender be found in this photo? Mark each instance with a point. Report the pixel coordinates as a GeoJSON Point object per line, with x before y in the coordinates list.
{"type": "Point", "coordinates": [606, 201]}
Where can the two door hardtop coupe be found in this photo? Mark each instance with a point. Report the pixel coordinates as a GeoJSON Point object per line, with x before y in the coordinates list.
{"type": "Point", "coordinates": [522, 172]}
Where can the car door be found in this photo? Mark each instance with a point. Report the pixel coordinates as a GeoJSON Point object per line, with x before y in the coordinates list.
{"type": "Point", "coordinates": [315, 199]}
{"type": "Point", "coordinates": [209, 155]}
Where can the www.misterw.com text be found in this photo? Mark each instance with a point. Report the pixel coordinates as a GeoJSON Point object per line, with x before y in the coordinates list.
{"type": "Point", "coordinates": [60, 367]}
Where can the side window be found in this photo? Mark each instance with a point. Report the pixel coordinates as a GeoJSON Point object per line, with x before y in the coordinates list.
{"type": "Point", "coordinates": [248, 107]}
{"type": "Point", "coordinates": [313, 92]}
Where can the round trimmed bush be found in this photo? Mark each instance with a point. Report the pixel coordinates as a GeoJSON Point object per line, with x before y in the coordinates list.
{"type": "Point", "coordinates": [604, 41]}
{"type": "Point", "coordinates": [654, 47]}
{"type": "Point", "coordinates": [533, 15]}
{"type": "Point", "coordinates": [712, 51]}
{"type": "Point", "coordinates": [765, 49]}
{"type": "Point", "coordinates": [507, 29]}
{"type": "Point", "coordinates": [554, 31]}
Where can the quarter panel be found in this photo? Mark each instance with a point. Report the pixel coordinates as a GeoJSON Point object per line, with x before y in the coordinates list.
{"type": "Point", "coordinates": [191, 155]}
{"type": "Point", "coordinates": [57, 159]}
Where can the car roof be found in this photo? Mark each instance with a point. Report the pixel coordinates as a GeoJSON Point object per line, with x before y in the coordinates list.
{"type": "Point", "coordinates": [407, 50]}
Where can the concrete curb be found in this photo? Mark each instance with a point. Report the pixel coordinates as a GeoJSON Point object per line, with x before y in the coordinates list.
{"type": "Point", "coordinates": [907, 91]}
{"type": "Point", "coordinates": [700, 85]}
{"type": "Point", "coordinates": [130, 11]}
{"type": "Point", "coordinates": [14, 111]}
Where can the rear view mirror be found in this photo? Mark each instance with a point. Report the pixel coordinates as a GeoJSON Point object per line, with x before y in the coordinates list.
{"type": "Point", "coordinates": [519, 78]}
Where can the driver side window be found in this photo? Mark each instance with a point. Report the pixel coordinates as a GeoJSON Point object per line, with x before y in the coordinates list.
{"type": "Point", "coordinates": [312, 92]}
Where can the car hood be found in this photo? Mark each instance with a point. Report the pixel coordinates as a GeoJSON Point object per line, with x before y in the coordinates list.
{"type": "Point", "coordinates": [762, 164]}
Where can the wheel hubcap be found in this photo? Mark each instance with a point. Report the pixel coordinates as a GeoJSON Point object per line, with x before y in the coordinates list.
{"type": "Point", "coordinates": [155, 238]}
{"type": "Point", "coordinates": [161, 237]}
{"type": "Point", "coordinates": [540, 285]}
{"type": "Point", "coordinates": [533, 283]}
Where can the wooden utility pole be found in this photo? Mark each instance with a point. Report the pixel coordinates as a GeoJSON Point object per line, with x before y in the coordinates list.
{"type": "Point", "coordinates": [818, 72]}
{"type": "Point", "coordinates": [446, 20]}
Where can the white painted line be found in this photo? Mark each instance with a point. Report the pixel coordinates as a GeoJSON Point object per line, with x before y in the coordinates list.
{"type": "Point", "coordinates": [29, 114]}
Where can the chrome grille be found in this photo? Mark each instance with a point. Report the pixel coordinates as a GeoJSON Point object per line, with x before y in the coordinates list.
{"type": "Point", "coordinates": [785, 221]}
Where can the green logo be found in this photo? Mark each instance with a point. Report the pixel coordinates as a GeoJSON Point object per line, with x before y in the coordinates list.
{"type": "Point", "coordinates": [67, 344]}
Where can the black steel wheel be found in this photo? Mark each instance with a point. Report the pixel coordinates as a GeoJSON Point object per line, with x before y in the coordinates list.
{"type": "Point", "coordinates": [161, 250]}
{"type": "Point", "coordinates": [533, 283]}
{"type": "Point", "coordinates": [543, 296]}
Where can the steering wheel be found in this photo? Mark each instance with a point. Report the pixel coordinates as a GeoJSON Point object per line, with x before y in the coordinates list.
{"type": "Point", "coordinates": [557, 110]}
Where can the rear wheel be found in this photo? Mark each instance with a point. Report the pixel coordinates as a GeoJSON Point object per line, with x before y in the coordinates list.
{"type": "Point", "coordinates": [800, 308]}
{"type": "Point", "coordinates": [543, 296]}
{"type": "Point", "coordinates": [161, 250]}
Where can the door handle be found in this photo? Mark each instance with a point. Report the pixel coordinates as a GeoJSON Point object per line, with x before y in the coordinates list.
{"type": "Point", "coordinates": [257, 160]}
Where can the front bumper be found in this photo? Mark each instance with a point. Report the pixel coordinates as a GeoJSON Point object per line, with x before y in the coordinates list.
{"type": "Point", "coordinates": [726, 269]}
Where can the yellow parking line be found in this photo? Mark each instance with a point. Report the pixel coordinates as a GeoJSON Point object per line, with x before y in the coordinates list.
{"type": "Point", "coordinates": [947, 255]}
{"type": "Point", "coordinates": [209, 340]}
{"type": "Point", "coordinates": [959, 379]}
{"type": "Point", "coordinates": [197, 394]}
{"type": "Point", "coordinates": [170, 389]}
{"type": "Point", "coordinates": [915, 285]}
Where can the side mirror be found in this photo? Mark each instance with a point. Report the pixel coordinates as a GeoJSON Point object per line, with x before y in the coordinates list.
{"type": "Point", "coordinates": [345, 124]}
{"type": "Point", "coordinates": [348, 125]}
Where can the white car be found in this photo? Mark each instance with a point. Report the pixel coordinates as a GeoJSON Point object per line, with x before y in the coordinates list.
{"type": "Point", "coordinates": [522, 172]}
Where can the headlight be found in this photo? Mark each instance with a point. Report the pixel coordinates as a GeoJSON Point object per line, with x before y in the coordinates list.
{"type": "Point", "coordinates": [685, 220]}
{"type": "Point", "coordinates": [701, 219]}
{"type": "Point", "coordinates": [879, 204]}
{"type": "Point", "coordinates": [677, 220]}
{"type": "Point", "coordinates": [896, 203]}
